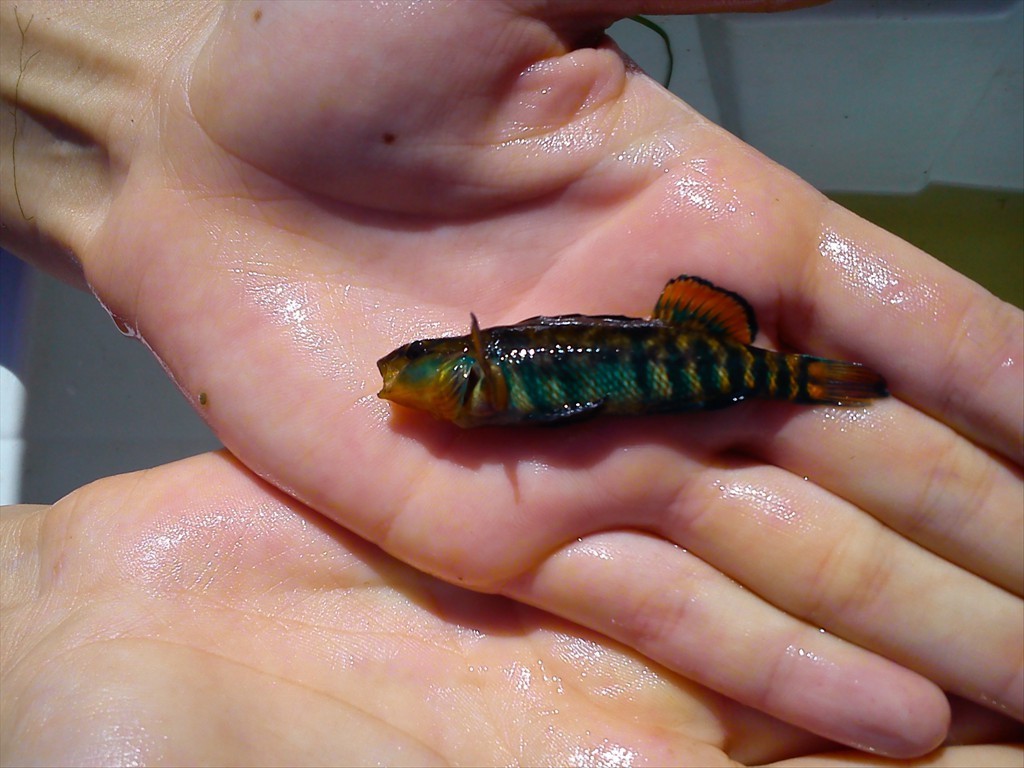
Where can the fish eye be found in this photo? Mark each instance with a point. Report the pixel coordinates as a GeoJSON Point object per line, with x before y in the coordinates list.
{"type": "Point", "coordinates": [416, 350]}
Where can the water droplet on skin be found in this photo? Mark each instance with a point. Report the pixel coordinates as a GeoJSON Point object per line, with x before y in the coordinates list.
{"type": "Point", "coordinates": [124, 326]}
{"type": "Point", "coordinates": [606, 755]}
{"type": "Point", "coordinates": [871, 274]}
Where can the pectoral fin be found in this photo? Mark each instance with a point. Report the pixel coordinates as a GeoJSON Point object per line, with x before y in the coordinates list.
{"type": "Point", "coordinates": [571, 414]}
{"type": "Point", "coordinates": [494, 383]}
{"type": "Point", "coordinates": [692, 303]}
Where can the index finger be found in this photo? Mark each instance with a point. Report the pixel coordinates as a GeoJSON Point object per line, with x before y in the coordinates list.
{"type": "Point", "coordinates": [946, 345]}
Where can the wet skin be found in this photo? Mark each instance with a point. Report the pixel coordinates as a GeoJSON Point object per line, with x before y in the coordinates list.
{"type": "Point", "coordinates": [271, 216]}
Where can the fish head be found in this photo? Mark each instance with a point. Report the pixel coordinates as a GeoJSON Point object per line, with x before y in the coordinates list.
{"type": "Point", "coordinates": [433, 375]}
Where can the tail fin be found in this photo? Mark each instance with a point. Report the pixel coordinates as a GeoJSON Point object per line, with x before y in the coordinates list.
{"type": "Point", "coordinates": [838, 383]}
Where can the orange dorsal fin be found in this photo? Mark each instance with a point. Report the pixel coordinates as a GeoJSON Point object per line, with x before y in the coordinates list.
{"type": "Point", "coordinates": [696, 304]}
{"type": "Point", "coordinates": [494, 383]}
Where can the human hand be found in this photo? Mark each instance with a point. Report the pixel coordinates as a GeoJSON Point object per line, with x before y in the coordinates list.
{"type": "Point", "coordinates": [192, 614]}
{"type": "Point", "coordinates": [299, 189]}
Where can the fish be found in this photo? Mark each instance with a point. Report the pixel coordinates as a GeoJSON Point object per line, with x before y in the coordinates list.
{"type": "Point", "coordinates": [695, 352]}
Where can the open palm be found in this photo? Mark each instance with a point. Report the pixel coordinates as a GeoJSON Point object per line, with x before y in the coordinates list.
{"type": "Point", "coordinates": [191, 614]}
{"type": "Point", "coordinates": [308, 186]}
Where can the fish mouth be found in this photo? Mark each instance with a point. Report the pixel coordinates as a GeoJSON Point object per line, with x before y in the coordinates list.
{"type": "Point", "coordinates": [389, 373]}
{"type": "Point", "coordinates": [437, 386]}
{"type": "Point", "coordinates": [396, 388]}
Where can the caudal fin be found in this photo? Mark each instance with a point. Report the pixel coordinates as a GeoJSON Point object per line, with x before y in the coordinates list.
{"type": "Point", "coordinates": [839, 383]}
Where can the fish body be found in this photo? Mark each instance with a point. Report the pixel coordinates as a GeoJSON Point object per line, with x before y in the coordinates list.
{"type": "Point", "coordinates": [694, 353]}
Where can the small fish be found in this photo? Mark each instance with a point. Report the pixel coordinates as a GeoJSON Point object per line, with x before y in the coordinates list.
{"type": "Point", "coordinates": [694, 353]}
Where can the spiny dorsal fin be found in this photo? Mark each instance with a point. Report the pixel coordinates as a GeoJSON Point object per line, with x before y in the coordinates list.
{"type": "Point", "coordinates": [695, 303]}
{"type": "Point", "coordinates": [494, 382]}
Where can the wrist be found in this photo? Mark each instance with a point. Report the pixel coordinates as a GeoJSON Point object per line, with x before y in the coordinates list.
{"type": "Point", "coordinates": [79, 84]}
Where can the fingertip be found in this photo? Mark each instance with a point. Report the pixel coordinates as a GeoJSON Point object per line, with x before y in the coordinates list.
{"type": "Point", "coordinates": [876, 706]}
{"type": "Point", "coordinates": [907, 728]}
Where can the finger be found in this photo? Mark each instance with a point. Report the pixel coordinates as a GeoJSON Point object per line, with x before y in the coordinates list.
{"type": "Point", "coordinates": [991, 755]}
{"type": "Point", "coordinates": [915, 474]}
{"type": "Point", "coordinates": [683, 613]}
{"type": "Point", "coordinates": [944, 343]}
{"type": "Point", "coordinates": [197, 572]}
{"type": "Point", "coordinates": [825, 561]}
{"type": "Point", "coordinates": [825, 281]}
{"type": "Point", "coordinates": [819, 557]}
{"type": "Point", "coordinates": [411, 141]}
